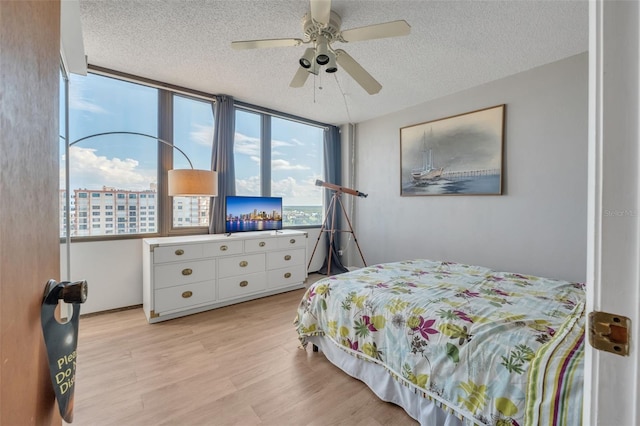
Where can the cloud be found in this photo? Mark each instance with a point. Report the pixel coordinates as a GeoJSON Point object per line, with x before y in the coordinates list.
{"type": "Point", "coordinates": [300, 193]}
{"type": "Point", "coordinates": [246, 145]}
{"type": "Point", "coordinates": [249, 186]}
{"type": "Point", "coordinates": [285, 165]}
{"type": "Point", "coordinates": [303, 193]}
{"type": "Point", "coordinates": [278, 143]}
{"type": "Point", "coordinates": [201, 134]}
{"type": "Point", "coordinates": [92, 171]}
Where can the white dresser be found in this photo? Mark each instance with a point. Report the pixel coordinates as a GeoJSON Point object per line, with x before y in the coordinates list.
{"type": "Point", "coordinates": [190, 274]}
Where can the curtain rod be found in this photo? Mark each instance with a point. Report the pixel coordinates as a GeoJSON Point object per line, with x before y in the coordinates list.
{"type": "Point", "coordinates": [202, 95]}
{"type": "Point", "coordinates": [302, 120]}
{"type": "Point", "coordinates": [149, 82]}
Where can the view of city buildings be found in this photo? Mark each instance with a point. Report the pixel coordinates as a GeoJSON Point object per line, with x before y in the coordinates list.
{"type": "Point", "coordinates": [111, 211]}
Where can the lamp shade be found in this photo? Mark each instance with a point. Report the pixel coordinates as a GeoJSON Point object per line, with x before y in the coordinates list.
{"type": "Point", "coordinates": [193, 183]}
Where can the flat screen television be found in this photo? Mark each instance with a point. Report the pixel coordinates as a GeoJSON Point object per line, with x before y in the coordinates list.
{"type": "Point", "coordinates": [245, 213]}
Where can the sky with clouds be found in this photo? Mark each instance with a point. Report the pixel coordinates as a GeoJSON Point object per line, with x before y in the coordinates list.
{"type": "Point", "coordinates": [100, 104]}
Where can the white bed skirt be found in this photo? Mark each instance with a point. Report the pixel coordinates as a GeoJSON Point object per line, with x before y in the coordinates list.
{"type": "Point", "coordinates": [425, 411]}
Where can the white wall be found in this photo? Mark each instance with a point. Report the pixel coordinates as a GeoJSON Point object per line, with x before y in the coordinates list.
{"type": "Point", "coordinates": [538, 226]}
{"type": "Point", "coordinates": [113, 270]}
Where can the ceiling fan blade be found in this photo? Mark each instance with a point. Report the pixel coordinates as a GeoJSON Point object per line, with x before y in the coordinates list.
{"type": "Point", "coordinates": [299, 78]}
{"type": "Point", "coordinates": [359, 74]}
{"type": "Point", "coordinates": [320, 10]}
{"type": "Point", "coordinates": [276, 42]}
{"type": "Point", "coordinates": [370, 32]}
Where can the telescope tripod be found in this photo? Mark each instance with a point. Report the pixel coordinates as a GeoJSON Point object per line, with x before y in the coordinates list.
{"type": "Point", "coordinates": [335, 200]}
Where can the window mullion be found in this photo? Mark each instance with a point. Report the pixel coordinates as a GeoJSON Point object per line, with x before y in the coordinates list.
{"type": "Point", "coordinates": [265, 156]}
{"type": "Point", "coordinates": [165, 160]}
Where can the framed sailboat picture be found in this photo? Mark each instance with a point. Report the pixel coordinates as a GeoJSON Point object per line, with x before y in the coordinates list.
{"type": "Point", "coordinates": [459, 155]}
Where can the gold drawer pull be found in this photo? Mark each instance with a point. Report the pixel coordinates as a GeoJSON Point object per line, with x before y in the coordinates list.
{"type": "Point", "coordinates": [287, 257]}
{"type": "Point", "coordinates": [244, 283]}
{"type": "Point", "coordinates": [287, 275]}
{"type": "Point", "coordinates": [187, 271]}
{"type": "Point", "coordinates": [179, 252]}
{"type": "Point", "coordinates": [224, 248]}
{"type": "Point", "coordinates": [187, 294]}
{"type": "Point", "coordinates": [262, 244]}
{"type": "Point", "coordinates": [243, 263]}
{"type": "Point", "coordinates": [292, 241]}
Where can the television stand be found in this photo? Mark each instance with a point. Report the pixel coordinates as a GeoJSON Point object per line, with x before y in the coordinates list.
{"type": "Point", "coordinates": [190, 274]}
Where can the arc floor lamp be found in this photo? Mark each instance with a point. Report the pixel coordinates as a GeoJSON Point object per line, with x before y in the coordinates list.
{"type": "Point", "coordinates": [181, 182]}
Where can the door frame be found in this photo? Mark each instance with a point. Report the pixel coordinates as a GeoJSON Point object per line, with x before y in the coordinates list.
{"type": "Point", "coordinates": [611, 386]}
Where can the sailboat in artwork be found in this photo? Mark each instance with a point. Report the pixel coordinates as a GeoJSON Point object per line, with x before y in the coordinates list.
{"type": "Point", "coordinates": [427, 172]}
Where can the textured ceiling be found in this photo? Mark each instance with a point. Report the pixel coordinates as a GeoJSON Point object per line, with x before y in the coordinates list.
{"type": "Point", "coordinates": [453, 45]}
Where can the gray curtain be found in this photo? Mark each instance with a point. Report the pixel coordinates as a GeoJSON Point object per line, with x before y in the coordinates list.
{"type": "Point", "coordinates": [222, 160]}
{"type": "Point", "coordinates": [332, 174]}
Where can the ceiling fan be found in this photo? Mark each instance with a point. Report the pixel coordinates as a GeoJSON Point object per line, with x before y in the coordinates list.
{"type": "Point", "coordinates": [321, 27]}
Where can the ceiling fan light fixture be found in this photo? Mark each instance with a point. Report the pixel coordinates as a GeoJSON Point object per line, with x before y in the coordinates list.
{"type": "Point", "coordinates": [331, 65]}
{"type": "Point", "coordinates": [322, 51]}
{"type": "Point", "coordinates": [306, 59]}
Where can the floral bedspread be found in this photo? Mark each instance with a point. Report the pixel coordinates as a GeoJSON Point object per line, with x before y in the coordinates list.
{"type": "Point", "coordinates": [475, 341]}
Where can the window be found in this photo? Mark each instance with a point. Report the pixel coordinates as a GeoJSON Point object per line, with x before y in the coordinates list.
{"type": "Point", "coordinates": [281, 159]}
{"type": "Point", "coordinates": [192, 133]}
{"type": "Point", "coordinates": [126, 164]}
{"type": "Point", "coordinates": [296, 164]}
{"type": "Point", "coordinates": [246, 152]}
{"type": "Point", "coordinates": [275, 155]}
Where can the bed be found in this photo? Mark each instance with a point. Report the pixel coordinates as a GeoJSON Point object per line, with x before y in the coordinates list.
{"type": "Point", "coordinates": [454, 344]}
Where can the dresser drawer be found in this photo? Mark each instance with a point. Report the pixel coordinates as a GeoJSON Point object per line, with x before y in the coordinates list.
{"type": "Point", "coordinates": [282, 259]}
{"type": "Point", "coordinates": [285, 276]}
{"type": "Point", "coordinates": [177, 253]}
{"type": "Point", "coordinates": [184, 296]}
{"type": "Point", "coordinates": [240, 265]}
{"type": "Point", "coordinates": [234, 287]}
{"type": "Point", "coordinates": [222, 248]}
{"type": "Point", "coordinates": [172, 274]}
{"type": "Point", "coordinates": [259, 245]}
{"type": "Point", "coordinates": [292, 241]}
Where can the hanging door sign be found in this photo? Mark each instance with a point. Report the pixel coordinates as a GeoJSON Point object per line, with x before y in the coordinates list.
{"type": "Point", "coordinates": [61, 340]}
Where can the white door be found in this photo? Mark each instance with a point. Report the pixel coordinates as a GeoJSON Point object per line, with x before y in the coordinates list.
{"type": "Point", "coordinates": [612, 394]}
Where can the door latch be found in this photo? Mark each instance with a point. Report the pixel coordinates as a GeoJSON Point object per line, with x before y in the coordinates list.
{"type": "Point", "coordinates": [609, 332]}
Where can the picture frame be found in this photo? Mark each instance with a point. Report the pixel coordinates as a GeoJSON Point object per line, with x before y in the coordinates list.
{"type": "Point", "coordinates": [457, 155]}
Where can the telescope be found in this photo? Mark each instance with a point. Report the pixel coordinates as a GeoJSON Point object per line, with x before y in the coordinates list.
{"type": "Point", "coordinates": [340, 188]}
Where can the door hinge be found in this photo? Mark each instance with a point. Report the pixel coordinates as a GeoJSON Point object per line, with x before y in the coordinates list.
{"type": "Point", "coordinates": [609, 332]}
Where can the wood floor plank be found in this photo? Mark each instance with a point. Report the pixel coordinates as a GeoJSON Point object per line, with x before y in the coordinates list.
{"type": "Point", "coordinates": [238, 365]}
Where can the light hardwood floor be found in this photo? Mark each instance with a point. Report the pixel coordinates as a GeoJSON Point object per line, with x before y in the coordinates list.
{"type": "Point", "coordinates": [238, 365]}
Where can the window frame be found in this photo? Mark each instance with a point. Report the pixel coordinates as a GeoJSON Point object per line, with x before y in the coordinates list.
{"type": "Point", "coordinates": [265, 147]}
{"type": "Point", "coordinates": [163, 205]}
